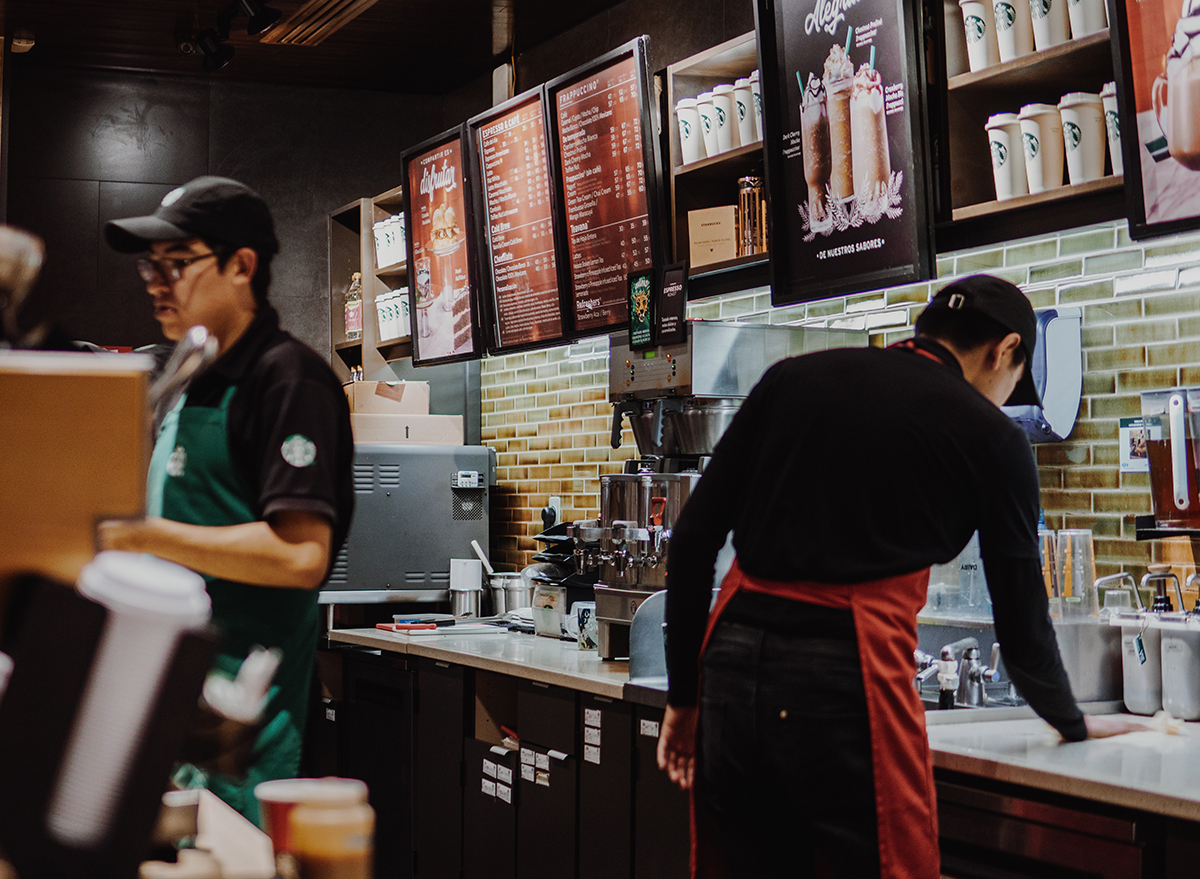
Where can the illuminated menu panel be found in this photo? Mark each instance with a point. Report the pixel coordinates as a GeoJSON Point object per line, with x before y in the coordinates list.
{"type": "Point", "coordinates": [604, 186]}
{"type": "Point", "coordinates": [520, 233]}
{"type": "Point", "coordinates": [441, 313]}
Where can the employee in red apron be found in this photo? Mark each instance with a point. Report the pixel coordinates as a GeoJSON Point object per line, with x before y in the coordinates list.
{"type": "Point", "coordinates": [843, 477]}
{"type": "Point", "coordinates": [250, 481]}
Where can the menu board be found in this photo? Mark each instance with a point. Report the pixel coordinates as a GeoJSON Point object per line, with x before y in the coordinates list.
{"type": "Point", "coordinates": [441, 305]}
{"type": "Point", "coordinates": [518, 224]}
{"type": "Point", "coordinates": [844, 143]}
{"type": "Point", "coordinates": [601, 163]}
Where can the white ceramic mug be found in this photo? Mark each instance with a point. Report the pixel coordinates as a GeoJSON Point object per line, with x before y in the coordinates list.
{"type": "Point", "coordinates": [727, 129]}
{"type": "Point", "coordinates": [708, 122]}
{"type": "Point", "coordinates": [979, 24]}
{"type": "Point", "coordinates": [691, 136]}
{"type": "Point", "coordinates": [743, 106]}
{"type": "Point", "coordinates": [1014, 29]}
{"type": "Point", "coordinates": [1112, 125]}
{"type": "Point", "coordinates": [1087, 17]}
{"type": "Point", "coordinates": [1008, 156]}
{"type": "Point", "coordinates": [1042, 138]}
{"type": "Point", "coordinates": [1050, 23]}
{"type": "Point", "coordinates": [1082, 115]}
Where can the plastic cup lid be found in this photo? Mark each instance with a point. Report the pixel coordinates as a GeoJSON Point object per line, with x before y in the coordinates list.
{"type": "Point", "coordinates": [139, 584]}
{"type": "Point", "coordinates": [970, 2]}
{"type": "Point", "coordinates": [1070, 99]}
{"type": "Point", "coordinates": [742, 83]}
{"type": "Point", "coordinates": [703, 96]}
{"type": "Point", "coordinates": [722, 89]}
{"type": "Point", "coordinates": [312, 791]}
{"type": "Point", "coordinates": [686, 103]}
{"type": "Point", "coordinates": [1002, 119]}
{"type": "Point", "coordinates": [1109, 90]}
{"type": "Point", "coordinates": [1036, 110]}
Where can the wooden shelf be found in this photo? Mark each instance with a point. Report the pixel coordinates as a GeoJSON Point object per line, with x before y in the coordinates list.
{"type": "Point", "coordinates": [713, 268]}
{"type": "Point", "coordinates": [1049, 196]}
{"type": "Point", "coordinates": [351, 353]}
{"type": "Point", "coordinates": [733, 58]}
{"type": "Point", "coordinates": [399, 268]}
{"type": "Point", "coordinates": [722, 164]}
{"type": "Point", "coordinates": [346, 346]}
{"type": "Point", "coordinates": [730, 276]}
{"type": "Point", "coordinates": [393, 198]}
{"type": "Point", "coordinates": [1060, 69]}
{"type": "Point", "coordinates": [395, 349]}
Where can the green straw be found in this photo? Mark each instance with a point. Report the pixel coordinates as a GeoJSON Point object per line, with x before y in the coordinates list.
{"type": "Point", "coordinates": [849, 34]}
{"type": "Point", "coordinates": [872, 57]}
{"type": "Point", "coordinates": [800, 82]}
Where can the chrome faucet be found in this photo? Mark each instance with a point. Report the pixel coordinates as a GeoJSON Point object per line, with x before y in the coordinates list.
{"type": "Point", "coordinates": [965, 684]}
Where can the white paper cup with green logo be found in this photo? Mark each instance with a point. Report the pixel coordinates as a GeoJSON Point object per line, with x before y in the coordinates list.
{"type": "Point", "coordinates": [1087, 17]}
{"type": "Point", "coordinates": [1008, 156]}
{"type": "Point", "coordinates": [1112, 125]}
{"type": "Point", "coordinates": [1042, 139]}
{"type": "Point", "coordinates": [1051, 25]}
{"type": "Point", "coordinates": [1014, 28]}
{"type": "Point", "coordinates": [979, 23]}
{"type": "Point", "coordinates": [1082, 115]}
{"type": "Point", "coordinates": [691, 138]}
{"type": "Point", "coordinates": [708, 122]}
{"type": "Point", "coordinates": [727, 128]}
{"type": "Point", "coordinates": [756, 94]}
{"type": "Point", "coordinates": [743, 108]}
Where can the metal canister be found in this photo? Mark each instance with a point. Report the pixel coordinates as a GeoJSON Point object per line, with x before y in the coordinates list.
{"type": "Point", "coordinates": [752, 217]}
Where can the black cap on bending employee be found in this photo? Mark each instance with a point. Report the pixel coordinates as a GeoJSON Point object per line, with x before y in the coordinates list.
{"type": "Point", "coordinates": [1006, 305]}
{"type": "Point", "coordinates": [216, 209]}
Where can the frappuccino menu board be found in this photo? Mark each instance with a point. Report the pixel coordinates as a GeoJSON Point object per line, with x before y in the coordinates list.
{"type": "Point", "coordinates": [603, 177]}
{"type": "Point", "coordinates": [520, 233]}
{"type": "Point", "coordinates": [439, 274]}
{"type": "Point", "coordinates": [845, 158]}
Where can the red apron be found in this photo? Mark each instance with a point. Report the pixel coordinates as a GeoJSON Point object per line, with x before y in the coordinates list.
{"type": "Point", "coordinates": [885, 622]}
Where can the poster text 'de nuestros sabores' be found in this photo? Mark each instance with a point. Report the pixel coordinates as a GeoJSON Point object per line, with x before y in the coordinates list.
{"type": "Point", "coordinates": [440, 281]}
{"type": "Point", "coordinates": [846, 162]}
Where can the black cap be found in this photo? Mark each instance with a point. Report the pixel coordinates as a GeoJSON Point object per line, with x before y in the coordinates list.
{"type": "Point", "coordinates": [216, 209]}
{"type": "Point", "coordinates": [1005, 304]}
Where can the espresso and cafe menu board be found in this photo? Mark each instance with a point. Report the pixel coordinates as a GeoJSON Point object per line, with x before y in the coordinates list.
{"type": "Point", "coordinates": [443, 325]}
{"type": "Point", "coordinates": [844, 150]}
{"type": "Point", "coordinates": [601, 166]}
{"type": "Point", "coordinates": [520, 234]}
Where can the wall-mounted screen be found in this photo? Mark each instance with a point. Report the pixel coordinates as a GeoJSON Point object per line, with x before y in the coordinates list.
{"type": "Point", "coordinates": [607, 183]}
{"type": "Point", "coordinates": [671, 310]}
{"type": "Point", "coordinates": [441, 266]}
{"type": "Point", "coordinates": [516, 222]}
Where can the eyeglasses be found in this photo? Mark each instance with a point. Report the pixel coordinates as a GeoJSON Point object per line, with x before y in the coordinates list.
{"type": "Point", "coordinates": [166, 269]}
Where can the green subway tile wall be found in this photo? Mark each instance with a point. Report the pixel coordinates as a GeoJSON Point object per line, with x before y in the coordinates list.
{"type": "Point", "coordinates": [548, 417]}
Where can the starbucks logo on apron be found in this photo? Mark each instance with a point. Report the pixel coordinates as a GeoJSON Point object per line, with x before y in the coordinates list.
{"type": "Point", "coordinates": [177, 462]}
{"type": "Point", "coordinates": [298, 450]}
{"type": "Point", "coordinates": [974, 28]}
{"type": "Point", "coordinates": [1040, 8]}
{"type": "Point", "coordinates": [1031, 146]}
{"type": "Point", "coordinates": [999, 153]}
{"type": "Point", "coordinates": [1114, 125]}
{"type": "Point", "coordinates": [1072, 134]}
{"type": "Point", "coordinates": [1006, 15]}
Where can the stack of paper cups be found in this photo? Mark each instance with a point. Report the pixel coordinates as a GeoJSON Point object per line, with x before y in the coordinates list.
{"type": "Point", "coordinates": [1042, 134]}
{"type": "Point", "coordinates": [1008, 155]}
{"type": "Point", "coordinates": [727, 129]}
{"type": "Point", "coordinates": [1049, 22]}
{"type": "Point", "coordinates": [708, 122]}
{"type": "Point", "coordinates": [1082, 116]}
{"type": "Point", "coordinates": [1112, 122]}
{"type": "Point", "coordinates": [1014, 29]}
{"type": "Point", "coordinates": [980, 24]}
{"type": "Point", "coordinates": [691, 138]}
{"type": "Point", "coordinates": [743, 100]}
{"type": "Point", "coordinates": [1087, 17]}
{"type": "Point", "coordinates": [756, 93]}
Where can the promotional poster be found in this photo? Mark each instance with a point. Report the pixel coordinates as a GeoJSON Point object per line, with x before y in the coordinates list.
{"type": "Point", "coordinates": [440, 268]}
{"type": "Point", "coordinates": [843, 162]}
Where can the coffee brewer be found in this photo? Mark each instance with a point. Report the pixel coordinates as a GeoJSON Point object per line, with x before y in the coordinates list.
{"type": "Point", "coordinates": [679, 399]}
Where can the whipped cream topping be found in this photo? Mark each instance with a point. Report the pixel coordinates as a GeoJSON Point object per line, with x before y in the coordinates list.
{"type": "Point", "coordinates": [1186, 44]}
{"type": "Point", "coordinates": [838, 65]}
{"type": "Point", "coordinates": [814, 91]}
{"type": "Point", "coordinates": [867, 80]}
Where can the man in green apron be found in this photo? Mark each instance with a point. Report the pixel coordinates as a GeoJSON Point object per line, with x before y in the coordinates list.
{"type": "Point", "coordinates": [250, 481]}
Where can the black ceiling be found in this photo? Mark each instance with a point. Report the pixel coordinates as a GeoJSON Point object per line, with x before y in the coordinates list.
{"type": "Point", "coordinates": [417, 46]}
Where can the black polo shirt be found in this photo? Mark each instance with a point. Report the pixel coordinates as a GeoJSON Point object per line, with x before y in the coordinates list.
{"type": "Point", "coordinates": [858, 464]}
{"type": "Point", "coordinates": [284, 390]}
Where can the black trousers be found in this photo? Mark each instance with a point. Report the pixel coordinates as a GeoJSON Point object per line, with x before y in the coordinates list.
{"type": "Point", "coordinates": [784, 749]}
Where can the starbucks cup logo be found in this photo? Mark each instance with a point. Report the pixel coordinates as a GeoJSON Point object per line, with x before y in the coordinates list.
{"type": "Point", "coordinates": [687, 129]}
{"type": "Point", "coordinates": [1072, 134]}
{"type": "Point", "coordinates": [999, 154]}
{"type": "Point", "coordinates": [1114, 125]}
{"type": "Point", "coordinates": [720, 117]}
{"type": "Point", "coordinates": [1040, 8]}
{"type": "Point", "coordinates": [1006, 16]}
{"type": "Point", "coordinates": [741, 111]}
{"type": "Point", "coordinates": [704, 120]}
{"type": "Point", "coordinates": [974, 28]}
{"type": "Point", "coordinates": [1031, 146]}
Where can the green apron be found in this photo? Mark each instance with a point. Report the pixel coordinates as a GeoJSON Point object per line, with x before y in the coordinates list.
{"type": "Point", "coordinates": [193, 479]}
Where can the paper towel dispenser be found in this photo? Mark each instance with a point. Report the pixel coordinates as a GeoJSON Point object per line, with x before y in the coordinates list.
{"type": "Point", "coordinates": [1057, 374]}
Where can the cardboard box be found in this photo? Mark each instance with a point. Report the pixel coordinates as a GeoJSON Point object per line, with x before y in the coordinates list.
{"type": "Point", "coordinates": [712, 235]}
{"type": "Point", "coordinates": [388, 398]}
{"type": "Point", "coordinates": [430, 430]}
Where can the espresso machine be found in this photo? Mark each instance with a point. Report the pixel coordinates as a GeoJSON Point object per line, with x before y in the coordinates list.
{"type": "Point", "coordinates": [679, 400]}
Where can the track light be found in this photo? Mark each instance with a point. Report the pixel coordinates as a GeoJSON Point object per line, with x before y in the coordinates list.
{"type": "Point", "coordinates": [261, 18]}
{"type": "Point", "coordinates": [216, 53]}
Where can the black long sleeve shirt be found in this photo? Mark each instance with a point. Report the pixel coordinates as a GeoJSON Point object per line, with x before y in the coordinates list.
{"type": "Point", "coordinates": [853, 465]}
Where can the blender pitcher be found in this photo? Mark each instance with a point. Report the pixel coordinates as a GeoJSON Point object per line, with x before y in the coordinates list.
{"type": "Point", "coordinates": [1169, 419]}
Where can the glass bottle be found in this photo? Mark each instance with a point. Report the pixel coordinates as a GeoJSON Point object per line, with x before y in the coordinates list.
{"type": "Point", "coordinates": [354, 308]}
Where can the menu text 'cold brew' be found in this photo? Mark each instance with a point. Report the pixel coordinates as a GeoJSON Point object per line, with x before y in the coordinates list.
{"type": "Point", "coordinates": [601, 167]}
{"type": "Point", "coordinates": [520, 233]}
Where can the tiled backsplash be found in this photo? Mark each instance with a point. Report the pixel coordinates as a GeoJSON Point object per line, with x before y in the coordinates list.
{"type": "Point", "coordinates": [548, 417]}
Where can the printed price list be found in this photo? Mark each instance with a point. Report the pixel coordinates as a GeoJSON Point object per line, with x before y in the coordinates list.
{"type": "Point", "coordinates": [604, 187]}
